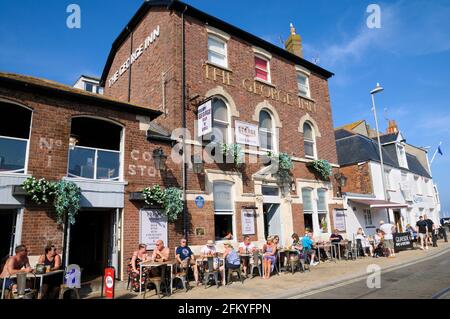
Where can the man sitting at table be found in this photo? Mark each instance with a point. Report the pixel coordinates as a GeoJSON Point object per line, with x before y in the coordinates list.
{"type": "Point", "coordinates": [52, 260]}
{"type": "Point", "coordinates": [246, 248]}
{"type": "Point", "coordinates": [186, 258]}
{"type": "Point", "coordinates": [336, 239]}
{"type": "Point", "coordinates": [18, 263]}
{"type": "Point", "coordinates": [161, 253]}
{"type": "Point", "coordinates": [307, 244]}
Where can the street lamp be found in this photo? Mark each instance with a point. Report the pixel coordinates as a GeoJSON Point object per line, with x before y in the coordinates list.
{"type": "Point", "coordinates": [160, 159]}
{"type": "Point", "coordinates": [197, 164]}
{"type": "Point", "coordinates": [379, 89]}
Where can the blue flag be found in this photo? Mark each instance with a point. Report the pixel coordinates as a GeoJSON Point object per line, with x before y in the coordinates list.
{"type": "Point", "coordinates": [440, 150]}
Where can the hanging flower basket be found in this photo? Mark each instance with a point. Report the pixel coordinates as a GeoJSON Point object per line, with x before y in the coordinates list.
{"type": "Point", "coordinates": [321, 168]}
{"type": "Point", "coordinates": [168, 199]}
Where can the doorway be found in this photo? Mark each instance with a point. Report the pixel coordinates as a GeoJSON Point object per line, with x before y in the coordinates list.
{"type": "Point", "coordinates": [91, 242]}
{"type": "Point", "coordinates": [7, 225]}
{"type": "Point", "coordinates": [398, 221]}
{"type": "Point", "coordinates": [272, 220]}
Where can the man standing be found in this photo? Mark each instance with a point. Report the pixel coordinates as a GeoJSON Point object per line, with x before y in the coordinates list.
{"type": "Point", "coordinates": [14, 265]}
{"type": "Point", "coordinates": [388, 230]}
{"type": "Point", "coordinates": [422, 230]}
{"type": "Point", "coordinates": [430, 226]}
{"type": "Point", "coordinates": [186, 258]}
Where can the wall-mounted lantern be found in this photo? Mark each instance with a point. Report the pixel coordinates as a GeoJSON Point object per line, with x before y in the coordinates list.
{"type": "Point", "coordinates": [197, 164]}
{"type": "Point", "coordinates": [342, 182]}
{"type": "Point", "coordinates": [160, 159]}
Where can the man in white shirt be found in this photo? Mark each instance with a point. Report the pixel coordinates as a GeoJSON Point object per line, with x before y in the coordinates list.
{"type": "Point", "coordinates": [388, 229]}
{"type": "Point", "coordinates": [247, 248]}
{"type": "Point", "coordinates": [209, 250]}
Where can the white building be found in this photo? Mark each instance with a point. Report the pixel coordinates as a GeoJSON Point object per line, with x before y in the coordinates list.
{"type": "Point", "coordinates": [89, 83]}
{"type": "Point", "coordinates": [410, 191]}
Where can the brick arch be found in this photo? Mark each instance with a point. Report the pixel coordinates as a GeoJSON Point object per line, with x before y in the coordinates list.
{"type": "Point", "coordinates": [267, 106]}
{"type": "Point", "coordinates": [308, 118]}
{"type": "Point", "coordinates": [220, 91]}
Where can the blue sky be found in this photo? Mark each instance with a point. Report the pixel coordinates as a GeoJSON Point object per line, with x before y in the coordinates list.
{"type": "Point", "coordinates": [409, 55]}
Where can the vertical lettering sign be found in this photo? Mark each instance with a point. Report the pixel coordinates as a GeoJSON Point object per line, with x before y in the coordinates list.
{"type": "Point", "coordinates": [205, 118]}
{"type": "Point", "coordinates": [339, 220]}
{"type": "Point", "coordinates": [246, 133]}
{"type": "Point", "coordinates": [153, 227]}
{"type": "Point", "coordinates": [248, 221]}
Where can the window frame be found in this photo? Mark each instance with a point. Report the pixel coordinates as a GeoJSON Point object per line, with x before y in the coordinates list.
{"type": "Point", "coordinates": [264, 58]}
{"type": "Point", "coordinates": [271, 132]}
{"type": "Point", "coordinates": [227, 212]}
{"type": "Point", "coordinates": [225, 54]}
{"type": "Point", "coordinates": [227, 139]}
{"type": "Point", "coordinates": [367, 213]}
{"type": "Point", "coordinates": [307, 84]}
{"type": "Point", "coordinates": [313, 141]}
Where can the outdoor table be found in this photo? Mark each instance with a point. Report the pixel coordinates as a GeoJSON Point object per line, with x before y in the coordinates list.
{"type": "Point", "coordinates": [248, 256]}
{"type": "Point", "coordinates": [329, 246]}
{"type": "Point", "coordinates": [154, 264]}
{"type": "Point", "coordinates": [286, 251]}
{"type": "Point", "coordinates": [35, 276]}
{"type": "Point", "coordinates": [344, 244]}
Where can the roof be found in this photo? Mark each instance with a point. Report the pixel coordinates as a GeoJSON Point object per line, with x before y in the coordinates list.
{"type": "Point", "coordinates": [180, 6]}
{"type": "Point", "coordinates": [51, 88]}
{"type": "Point", "coordinates": [353, 148]}
{"type": "Point", "coordinates": [351, 126]}
{"type": "Point", "coordinates": [377, 203]}
{"type": "Point", "coordinates": [388, 138]}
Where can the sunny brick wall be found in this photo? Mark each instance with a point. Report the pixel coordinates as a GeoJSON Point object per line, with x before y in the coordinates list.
{"type": "Point", "coordinates": [359, 179]}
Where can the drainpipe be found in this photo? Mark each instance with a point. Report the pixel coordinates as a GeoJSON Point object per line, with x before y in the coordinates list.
{"type": "Point", "coordinates": [129, 70]}
{"type": "Point", "coordinates": [183, 84]}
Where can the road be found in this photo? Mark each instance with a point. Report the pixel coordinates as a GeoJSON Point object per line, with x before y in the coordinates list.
{"type": "Point", "coordinates": [423, 280]}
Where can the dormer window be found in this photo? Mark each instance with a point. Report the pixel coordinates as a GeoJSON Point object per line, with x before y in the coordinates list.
{"type": "Point", "coordinates": [401, 154]}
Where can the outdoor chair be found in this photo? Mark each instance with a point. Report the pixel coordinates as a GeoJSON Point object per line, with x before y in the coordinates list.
{"type": "Point", "coordinates": [158, 281]}
{"type": "Point", "coordinates": [351, 251]}
{"type": "Point", "coordinates": [295, 262]}
{"type": "Point", "coordinates": [72, 282]}
{"type": "Point", "coordinates": [256, 264]}
{"type": "Point", "coordinates": [181, 273]}
{"type": "Point", "coordinates": [211, 272]}
{"type": "Point", "coordinates": [237, 272]}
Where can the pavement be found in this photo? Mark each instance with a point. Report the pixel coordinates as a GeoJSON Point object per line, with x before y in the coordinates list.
{"type": "Point", "coordinates": [332, 279]}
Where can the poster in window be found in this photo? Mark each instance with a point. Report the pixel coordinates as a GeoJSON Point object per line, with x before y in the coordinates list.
{"type": "Point", "coordinates": [153, 227]}
{"type": "Point", "coordinates": [204, 118]}
{"type": "Point", "coordinates": [246, 133]}
{"type": "Point", "coordinates": [339, 220]}
{"type": "Point", "coordinates": [248, 221]}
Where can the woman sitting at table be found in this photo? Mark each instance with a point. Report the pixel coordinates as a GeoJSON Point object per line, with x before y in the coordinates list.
{"type": "Point", "coordinates": [231, 258]}
{"type": "Point", "coordinates": [52, 261]}
{"type": "Point", "coordinates": [269, 257]}
{"type": "Point", "coordinates": [139, 256]}
{"type": "Point", "coordinates": [363, 243]}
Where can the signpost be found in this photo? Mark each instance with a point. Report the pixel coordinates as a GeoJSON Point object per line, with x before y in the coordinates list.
{"type": "Point", "coordinates": [402, 241]}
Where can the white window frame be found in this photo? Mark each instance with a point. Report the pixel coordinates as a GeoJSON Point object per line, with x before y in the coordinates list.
{"type": "Point", "coordinates": [387, 176]}
{"type": "Point", "coordinates": [326, 211]}
{"type": "Point", "coordinates": [368, 216]}
{"type": "Point", "coordinates": [314, 141]}
{"type": "Point", "coordinates": [228, 137]}
{"type": "Point", "coordinates": [225, 53]}
{"type": "Point", "coordinates": [401, 154]}
{"type": "Point", "coordinates": [269, 75]}
{"type": "Point", "coordinates": [307, 85]}
{"type": "Point", "coordinates": [272, 132]}
{"type": "Point", "coordinates": [231, 212]}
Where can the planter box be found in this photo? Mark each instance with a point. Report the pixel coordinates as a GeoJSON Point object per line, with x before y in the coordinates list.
{"type": "Point", "coordinates": [136, 196]}
{"type": "Point", "coordinates": [17, 190]}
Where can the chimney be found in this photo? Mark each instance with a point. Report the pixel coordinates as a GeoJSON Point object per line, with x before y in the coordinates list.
{"type": "Point", "coordinates": [294, 43]}
{"type": "Point", "coordinates": [392, 128]}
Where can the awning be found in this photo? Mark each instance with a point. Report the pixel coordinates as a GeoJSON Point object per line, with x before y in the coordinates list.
{"type": "Point", "coordinates": [377, 203]}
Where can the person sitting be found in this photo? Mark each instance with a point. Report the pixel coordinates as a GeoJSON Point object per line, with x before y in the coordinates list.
{"type": "Point", "coordinates": [232, 260]}
{"type": "Point", "coordinates": [378, 239]}
{"type": "Point", "coordinates": [246, 248]}
{"type": "Point", "coordinates": [228, 235]}
{"type": "Point", "coordinates": [161, 253]}
{"type": "Point", "coordinates": [52, 260]}
{"type": "Point", "coordinates": [335, 240]}
{"type": "Point", "coordinates": [297, 247]}
{"type": "Point", "coordinates": [269, 257]}
{"type": "Point", "coordinates": [139, 256]}
{"type": "Point", "coordinates": [16, 264]}
{"type": "Point", "coordinates": [363, 243]}
{"type": "Point", "coordinates": [186, 258]}
{"type": "Point", "coordinates": [308, 248]}
{"type": "Point", "coordinates": [210, 250]}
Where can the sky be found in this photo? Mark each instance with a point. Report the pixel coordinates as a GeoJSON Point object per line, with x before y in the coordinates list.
{"type": "Point", "coordinates": [409, 55]}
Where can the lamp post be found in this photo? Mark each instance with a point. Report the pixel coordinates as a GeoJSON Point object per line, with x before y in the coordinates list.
{"type": "Point", "coordinates": [379, 89]}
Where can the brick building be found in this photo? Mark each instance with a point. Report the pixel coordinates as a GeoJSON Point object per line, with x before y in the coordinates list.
{"type": "Point", "coordinates": [170, 59]}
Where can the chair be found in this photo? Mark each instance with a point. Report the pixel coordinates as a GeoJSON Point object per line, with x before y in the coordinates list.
{"type": "Point", "coordinates": [294, 262]}
{"type": "Point", "coordinates": [351, 251]}
{"type": "Point", "coordinates": [158, 281]}
{"type": "Point", "coordinates": [211, 272]}
{"type": "Point", "coordinates": [181, 273]}
{"type": "Point", "coordinates": [256, 264]}
{"type": "Point", "coordinates": [237, 271]}
{"type": "Point", "coordinates": [72, 281]}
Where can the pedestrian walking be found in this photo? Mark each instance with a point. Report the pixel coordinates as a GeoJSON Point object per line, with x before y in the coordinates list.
{"type": "Point", "coordinates": [422, 230]}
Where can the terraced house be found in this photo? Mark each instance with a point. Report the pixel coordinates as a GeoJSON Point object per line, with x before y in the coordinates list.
{"type": "Point", "coordinates": [171, 66]}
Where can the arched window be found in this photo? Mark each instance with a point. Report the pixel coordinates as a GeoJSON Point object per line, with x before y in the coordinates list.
{"type": "Point", "coordinates": [221, 122]}
{"type": "Point", "coordinates": [94, 149]}
{"type": "Point", "coordinates": [15, 123]}
{"type": "Point", "coordinates": [309, 140]}
{"type": "Point", "coordinates": [266, 131]}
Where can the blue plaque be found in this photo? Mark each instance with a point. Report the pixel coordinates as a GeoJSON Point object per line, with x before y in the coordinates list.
{"type": "Point", "coordinates": [200, 201]}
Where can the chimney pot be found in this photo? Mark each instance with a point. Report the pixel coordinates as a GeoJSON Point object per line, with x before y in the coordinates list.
{"type": "Point", "coordinates": [294, 43]}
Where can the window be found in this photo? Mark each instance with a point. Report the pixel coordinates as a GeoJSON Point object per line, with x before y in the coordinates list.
{"type": "Point", "coordinates": [262, 69]}
{"type": "Point", "coordinates": [416, 185]}
{"type": "Point", "coordinates": [270, 191]}
{"type": "Point", "coordinates": [309, 140]}
{"type": "Point", "coordinates": [223, 210]}
{"type": "Point", "coordinates": [387, 177]}
{"type": "Point", "coordinates": [89, 87]}
{"type": "Point", "coordinates": [265, 131]}
{"type": "Point", "coordinates": [307, 200]}
{"type": "Point", "coordinates": [217, 51]}
{"type": "Point", "coordinates": [303, 84]}
{"type": "Point", "coordinates": [401, 156]}
{"type": "Point", "coordinates": [368, 217]}
{"type": "Point", "coordinates": [322, 209]}
{"type": "Point", "coordinates": [94, 151]}
{"type": "Point", "coordinates": [220, 121]}
{"type": "Point", "coordinates": [15, 125]}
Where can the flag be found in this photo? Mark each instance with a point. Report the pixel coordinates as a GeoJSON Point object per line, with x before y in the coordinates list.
{"type": "Point", "coordinates": [440, 150]}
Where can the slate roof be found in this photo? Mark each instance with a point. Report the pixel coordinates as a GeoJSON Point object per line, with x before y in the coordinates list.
{"type": "Point", "coordinates": [355, 148]}
{"type": "Point", "coordinates": [388, 138]}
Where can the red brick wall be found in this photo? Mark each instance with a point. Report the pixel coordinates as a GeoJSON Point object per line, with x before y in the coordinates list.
{"type": "Point", "coordinates": [359, 179]}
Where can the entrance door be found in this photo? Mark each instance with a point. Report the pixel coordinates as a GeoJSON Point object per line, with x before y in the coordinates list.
{"type": "Point", "coordinates": [90, 242]}
{"type": "Point", "coordinates": [398, 220]}
{"type": "Point", "coordinates": [7, 230]}
{"type": "Point", "coordinates": [272, 220]}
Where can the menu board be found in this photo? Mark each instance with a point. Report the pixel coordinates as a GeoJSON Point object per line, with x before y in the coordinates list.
{"type": "Point", "coordinates": [339, 220]}
{"type": "Point", "coordinates": [248, 222]}
{"type": "Point", "coordinates": [153, 226]}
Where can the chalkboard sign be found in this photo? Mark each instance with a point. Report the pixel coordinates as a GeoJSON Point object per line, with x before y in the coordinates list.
{"type": "Point", "coordinates": [402, 241]}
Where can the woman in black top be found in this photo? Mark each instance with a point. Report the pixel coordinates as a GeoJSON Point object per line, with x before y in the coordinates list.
{"type": "Point", "coordinates": [51, 260]}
